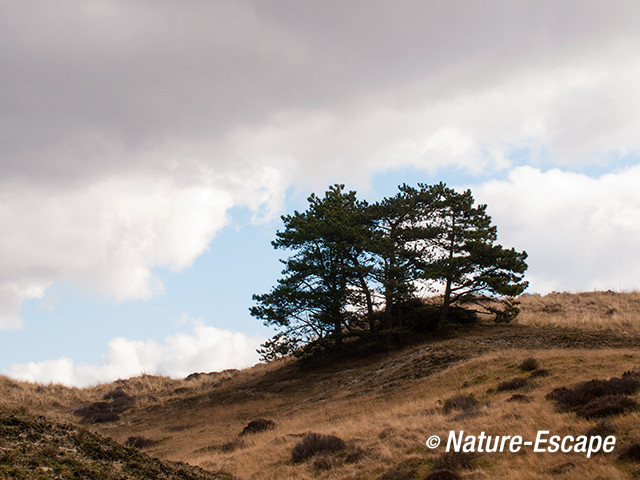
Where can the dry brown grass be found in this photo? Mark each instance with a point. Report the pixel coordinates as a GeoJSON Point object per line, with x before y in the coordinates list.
{"type": "Point", "coordinates": [587, 310]}
{"type": "Point", "coordinates": [385, 407]}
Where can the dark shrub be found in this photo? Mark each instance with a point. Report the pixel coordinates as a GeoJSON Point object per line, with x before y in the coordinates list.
{"type": "Point", "coordinates": [584, 392]}
{"type": "Point", "coordinates": [463, 403]}
{"type": "Point", "coordinates": [232, 445]}
{"type": "Point", "coordinates": [417, 316]}
{"type": "Point", "coordinates": [454, 461]}
{"type": "Point", "coordinates": [258, 425]}
{"type": "Point", "coordinates": [631, 453]}
{"type": "Point", "coordinates": [597, 398]}
{"type": "Point", "coordinates": [117, 394]}
{"type": "Point", "coordinates": [520, 398]}
{"type": "Point", "coordinates": [528, 365]}
{"type": "Point", "coordinates": [513, 384]}
{"type": "Point", "coordinates": [314, 443]}
{"type": "Point", "coordinates": [557, 394]}
{"type": "Point", "coordinates": [606, 407]}
{"type": "Point", "coordinates": [602, 429]}
{"type": "Point", "coordinates": [98, 412]}
{"type": "Point", "coordinates": [443, 475]}
{"type": "Point", "coordinates": [107, 411]}
{"type": "Point", "coordinates": [139, 442]}
{"type": "Point", "coordinates": [540, 372]}
{"type": "Point", "coordinates": [120, 400]}
{"type": "Point", "coordinates": [634, 373]}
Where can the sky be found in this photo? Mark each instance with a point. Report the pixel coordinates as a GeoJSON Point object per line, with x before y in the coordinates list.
{"type": "Point", "coordinates": [149, 147]}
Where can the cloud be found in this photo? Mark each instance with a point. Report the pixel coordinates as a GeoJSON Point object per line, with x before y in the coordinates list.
{"type": "Point", "coordinates": [204, 349]}
{"type": "Point", "coordinates": [109, 235]}
{"type": "Point", "coordinates": [128, 130]}
{"type": "Point", "coordinates": [581, 233]}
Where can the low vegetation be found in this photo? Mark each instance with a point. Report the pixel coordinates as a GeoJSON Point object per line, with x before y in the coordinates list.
{"type": "Point", "coordinates": [32, 447]}
{"type": "Point", "coordinates": [381, 407]}
{"type": "Point", "coordinates": [599, 398]}
{"type": "Point", "coordinates": [313, 444]}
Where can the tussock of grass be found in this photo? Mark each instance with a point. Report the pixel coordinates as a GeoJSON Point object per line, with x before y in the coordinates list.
{"type": "Point", "coordinates": [516, 383]}
{"type": "Point", "coordinates": [520, 398]}
{"type": "Point", "coordinates": [258, 425]}
{"type": "Point", "coordinates": [529, 364]}
{"type": "Point", "coordinates": [316, 443]}
{"type": "Point", "coordinates": [539, 372]}
{"type": "Point", "coordinates": [462, 403]}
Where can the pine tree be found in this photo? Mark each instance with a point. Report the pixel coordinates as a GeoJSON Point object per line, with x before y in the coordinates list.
{"type": "Point", "coordinates": [400, 241]}
{"type": "Point", "coordinates": [323, 284]}
{"type": "Point", "coordinates": [465, 261]}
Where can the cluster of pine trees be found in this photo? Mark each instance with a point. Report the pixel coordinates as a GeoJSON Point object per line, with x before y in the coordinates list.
{"type": "Point", "coordinates": [355, 267]}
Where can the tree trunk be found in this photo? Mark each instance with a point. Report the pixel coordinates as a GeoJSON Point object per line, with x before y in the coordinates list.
{"type": "Point", "coordinates": [367, 295]}
{"type": "Point", "coordinates": [444, 310]}
{"type": "Point", "coordinates": [337, 333]}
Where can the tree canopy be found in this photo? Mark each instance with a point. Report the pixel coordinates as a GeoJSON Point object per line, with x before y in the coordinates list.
{"type": "Point", "coordinates": [352, 264]}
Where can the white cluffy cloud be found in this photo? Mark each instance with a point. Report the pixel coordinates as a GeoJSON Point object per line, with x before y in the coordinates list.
{"type": "Point", "coordinates": [581, 233]}
{"type": "Point", "coordinates": [204, 349]}
{"type": "Point", "coordinates": [108, 235]}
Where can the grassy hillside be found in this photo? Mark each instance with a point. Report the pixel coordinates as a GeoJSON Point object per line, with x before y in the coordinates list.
{"type": "Point", "coordinates": [32, 447]}
{"type": "Point", "coordinates": [382, 408]}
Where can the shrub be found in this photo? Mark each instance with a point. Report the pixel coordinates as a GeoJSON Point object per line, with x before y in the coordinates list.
{"type": "Point", "coordinates": [606, 406]}
{"type": "Point", "coordinates": [602, 429]}
{"type": "Point", "coordinates": [232, 445]}
{"type": "Point", "coordinates": [463, 403]}
{"type": "Point", "coordinates": [443, 475]}
{"type": "Point", "coordinates": [520, 398]}
{"type": "Point", "coordinates": [634, 373]}
{"type": "Point", "coordinates": [540, 372]}
{"type": "Point", "coordinates": [584, 392]}
{"type": "Point", "coordinates": [106, 411]}
{"type": "Point", "coordinates": [258, 425]}
{"type": "Point", "coordinates": [97, 412]}
{"type": "Point", "coordinates": [631, 453]}
{"type": "Point", "coordinates": [454, 461]}
{"type": "Point", "coordinates": [597, 398]}
{"type": "Point", "coordinates": [528, 365]}
{"type": "Point", "coordinates": [314, 443]}
{"type": "Point", "coordinates": [513, 384]}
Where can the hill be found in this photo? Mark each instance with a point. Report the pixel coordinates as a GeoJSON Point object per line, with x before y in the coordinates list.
{"type": "Point", "coordinates": [513, 379]}
{"type": "Point", "coordinates": [32, 447]}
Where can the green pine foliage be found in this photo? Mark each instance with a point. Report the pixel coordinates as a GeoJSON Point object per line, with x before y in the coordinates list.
{"type": "Point", "coordinates": [355, 267]}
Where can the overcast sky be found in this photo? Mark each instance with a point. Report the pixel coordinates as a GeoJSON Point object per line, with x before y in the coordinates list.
{"type": "Point", "coordinates": [147, 149]}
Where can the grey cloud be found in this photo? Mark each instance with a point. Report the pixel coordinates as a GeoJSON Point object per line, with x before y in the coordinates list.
{"type": "Point", "coordinates": [103, 86]}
